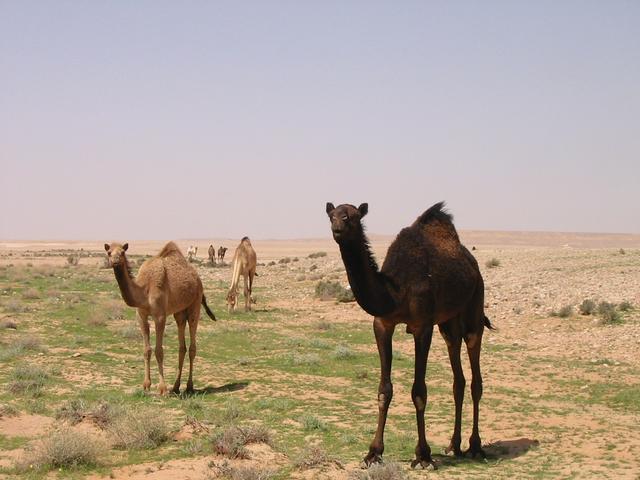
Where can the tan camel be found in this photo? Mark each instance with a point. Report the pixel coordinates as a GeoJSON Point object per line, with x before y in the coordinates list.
{"type": "Point", "coordinates": [212, 254]}
{"type": "Point", "coordinates": [244, 263]}
{"type": "Point", "coordinates": [165, 285]}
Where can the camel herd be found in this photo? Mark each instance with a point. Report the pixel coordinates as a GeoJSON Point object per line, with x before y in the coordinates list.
{"type": "Point", "coordinates": [168, 284]}
{"type": "Point", "coordinates": [428, 278]}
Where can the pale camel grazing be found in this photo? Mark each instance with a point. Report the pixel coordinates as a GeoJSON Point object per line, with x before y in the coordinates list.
{"type": "Point", "coordinates": [192, 253]}
{"type": "Point", "coordinates": [165, 285]}
{"type": "Point", "coordinates": [244, 263]}
{"type": "Point", "coordinates": [212, 254]}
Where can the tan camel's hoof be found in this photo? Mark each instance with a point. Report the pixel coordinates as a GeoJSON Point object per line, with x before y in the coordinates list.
{"type": "Point", "coordinates": [162, 389]}
{"type": "Point", "coordinates": [371, 459]}
{"type": "Point", "coordinates": [146, 385]}
{"type": "Point", "coordinates": [423, 465]}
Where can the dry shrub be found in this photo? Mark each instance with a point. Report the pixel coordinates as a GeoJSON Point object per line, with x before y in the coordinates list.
{"type": "Point", "coordinates": [241, 472]}
{"type": "Point", "coordinates": [563, 312]}
{"type": "Point", "coordinates": [385, 471]}
{"type": "Point", "coordinates": [315, 456]}
{"type": "Point", "coordinates": [587, 307]}
{"type": "Point", "coordinates": [231, 441]}
{"type": "Point", "coordinates": [15, 306]}
{"type": "Point", "coordinates": [130, 332]}
{"type": "Point", "coordinates": [31, 294]}
{"type": "Point", "coordinates": [28, 379]}
{"type": "Point", "coordinates": [608, 313]}
{"type": "Point", "coordinates": [327, 290]}
{"type": "Point", "coordinates": [139, 429]}
{"type": "Point", "coordinates": [317, 255]}
{"type": "Point", "coordinates": [72, 411]}
{"type": "Point", "coordinates": [493, 263]}
{"type": "Point", "coordinates": [7, 410]}
{"type": "Point", "coordinates": [63, 448]}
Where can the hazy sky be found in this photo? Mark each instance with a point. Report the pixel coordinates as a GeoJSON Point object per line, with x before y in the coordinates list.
{"type": "Point", "coordinates": [156, 120]}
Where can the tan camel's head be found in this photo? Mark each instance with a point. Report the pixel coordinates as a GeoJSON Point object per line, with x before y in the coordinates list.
{"type": "Point", "coordinates": [116, 255]}
{"type": "Point", "coordinates": [345, 220]}
{"type": "Point", "coordinates": [231, 301]}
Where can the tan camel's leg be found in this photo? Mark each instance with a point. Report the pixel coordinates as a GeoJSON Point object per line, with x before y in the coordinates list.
{"type": "Point", "coordinates": [474, 341]}
{"type": "Point", "coordinates": [160, 324]}
{"type": "Point", "coordinates": [143, 322]}
{"type": "Point", "coordinates": [194, 318]}
{"type": "Point", "coordinates": [384, 334]}
{"type": "Point", "coordinates": [181, 321]}
{"type": "Point", "coordinates": [451, 333]}
{"type": "Point", "coordinates": [422, 340]}
{"type": "Point", "coordinates": [251, 275]}
{"type": "Point", "coordinates": [247, 294]}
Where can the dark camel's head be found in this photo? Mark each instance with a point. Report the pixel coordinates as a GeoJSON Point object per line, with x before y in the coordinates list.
{"type": "Point", "coordinates": [115, 252]}
{"type": "Point", "coordinates": [345, 221]}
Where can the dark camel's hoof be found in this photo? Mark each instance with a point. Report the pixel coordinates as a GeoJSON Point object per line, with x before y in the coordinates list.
{"type": "Point", "coordinates": [455, 449]}
{"type": "Point", "coordinates": [474, 451]}
{"type": "Point", "coordinates": [423, 465]}
{"type": "Point", "coordinates": [175, 390]}
{"type": "Point", "coordinates": [371, 459]}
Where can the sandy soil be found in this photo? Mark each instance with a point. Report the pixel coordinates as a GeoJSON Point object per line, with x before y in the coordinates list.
{"type": "Point", "coordinates": [538, 272]}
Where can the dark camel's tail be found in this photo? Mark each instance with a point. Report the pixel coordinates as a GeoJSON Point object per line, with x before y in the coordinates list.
{"type": "Point", "coordinates": [487, 323]}
{"type": "Point", "coordinates": [208, 310]}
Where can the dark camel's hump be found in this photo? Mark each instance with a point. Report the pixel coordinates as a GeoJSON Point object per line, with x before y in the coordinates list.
{"type": "Point", "coordinates": [424, 247]}
{"type": "Point", "coordinates": [170, 249]}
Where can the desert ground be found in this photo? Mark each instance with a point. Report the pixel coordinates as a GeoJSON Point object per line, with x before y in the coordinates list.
{"type": "Point", "coordinates": [288, 390]}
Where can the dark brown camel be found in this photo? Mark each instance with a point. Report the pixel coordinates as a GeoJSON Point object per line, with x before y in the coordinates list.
{"type": "Point", "coordinates": [428, 278]}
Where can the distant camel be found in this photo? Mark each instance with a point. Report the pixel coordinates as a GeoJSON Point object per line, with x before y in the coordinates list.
{"type": "Point", "coordinates": [428, 278]}
{"type": "Point", "coordinates": [165, 285]}
{"type": "Point", "coordinates": [192, 253]}
{"type": "Point", "coordinates": [212, 255]}
{"type": "Point", "coordinates": [244, 263]}
{"type": "Point", "coordinates": [221, 253]}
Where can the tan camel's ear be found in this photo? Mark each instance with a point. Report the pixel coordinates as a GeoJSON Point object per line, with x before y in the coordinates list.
{"type": "Point", "coordinates": [125, 246]}
{"type": "Point", "coordinates": [106, 247]}
{"type": "Point", "coordinates": [330, 208]}
{"type": "Point", "coordinates": [363, 209]}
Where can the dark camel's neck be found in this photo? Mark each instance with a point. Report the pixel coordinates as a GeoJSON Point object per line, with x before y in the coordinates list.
{"type": "Point", "coordinates": [369, 286]}
{"type": "Point", "coordinates": [132, 294]}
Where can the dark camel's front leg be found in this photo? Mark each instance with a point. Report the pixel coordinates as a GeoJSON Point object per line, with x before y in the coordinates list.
{"type": "Point", "coordinates": [451, 333]}
{"type": "Point", "coordinates": [384, 334]}
{"type": "Point", "coordinates": [422, 340]}
{"type": "Point", "coordinates": [474, 342]}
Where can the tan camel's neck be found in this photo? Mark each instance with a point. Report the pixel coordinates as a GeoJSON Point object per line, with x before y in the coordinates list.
{"type": "Point", "coordinates": [236, 275]}
{"type": "Point", "coordinates": [132, 294]}
{"type": "Point", "coordinates": [368, 285]}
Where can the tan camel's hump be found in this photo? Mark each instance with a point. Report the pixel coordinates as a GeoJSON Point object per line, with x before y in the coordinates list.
{"type": "Point", "coordinates": [170, 249]}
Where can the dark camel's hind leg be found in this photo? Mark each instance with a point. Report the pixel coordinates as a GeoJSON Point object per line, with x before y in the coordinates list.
{"type": "Point", "coordinates": [422, 342]}
{"type": "Point", "coordinates": [474, 342]}
{"type": "Point", "coordinates": [453, 338]}
{"type": "Point", "coordinates": [384, 334]}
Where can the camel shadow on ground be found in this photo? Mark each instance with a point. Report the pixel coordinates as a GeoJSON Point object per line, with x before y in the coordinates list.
{"type": "Point", "coordinates": [495, 451]}
{"type": "Point", "coordinates": [211, 390]}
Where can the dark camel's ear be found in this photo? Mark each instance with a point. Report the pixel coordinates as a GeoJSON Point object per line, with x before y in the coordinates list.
{"type": "Point", "coordinates": [106, 247]}
{"type": "Point", "coordinates": [363, 209]}
{"type": "Point", "coordinates": [125, 246]}
{"type": "Point", "coordinates": [330, 208]}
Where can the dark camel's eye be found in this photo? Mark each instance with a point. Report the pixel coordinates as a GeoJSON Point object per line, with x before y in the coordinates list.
{"type": "Point", "coordinates": [345, 218]}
